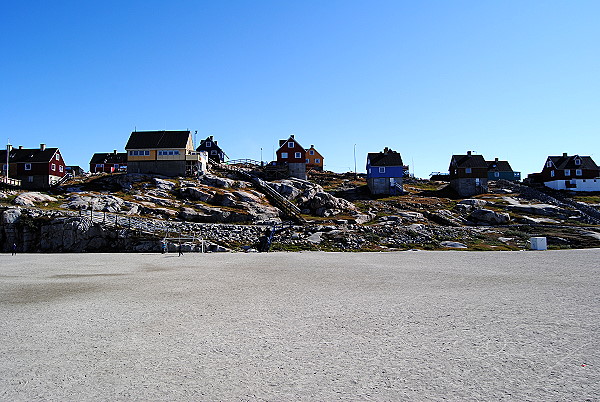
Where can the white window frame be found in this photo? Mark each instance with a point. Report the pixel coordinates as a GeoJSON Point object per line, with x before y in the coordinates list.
{"type": "Point", "coordinates": [28, 166]}
{"type": "Point", "coordinates": [208, 144]}
{"type": "Point", "coordinates": [298, 155]}
{"type": "Point", "coordinates": [578, 161]}
{"type": "Point", "coordinates": [60, 168]}
{"type": "Point", "coordinates": [30, 179]}
{"type": "Point", "coordinates": [57, 157]}
{"type": "Point", "coordinates": [552, 173]}
{"type": "Point", "coordinates": [311, 152]}
{"type": "Point", "coordinates": [291, 144]}
{"type": "Point", "coordinates": [307, 160]}
{"type": "Point", "coordinates": [567, 172]}
{"type": "Point", "coordinates": [284, 155]}
{"type": "Point", "coordinates": [578, 172]}
{"type": "Point", "coordinates": [53, 167]}
{"type": "Point", "coordinates": [496, 174]}
{"type": "Point", "coordinates": [99, 165]}
{"type": "Point", "coordinates": [549, 164]}
{"type": "Point", "coordinates": [317, 160]}
{"type": "Point", "coordinates": [468, 170]}
{"type": "Point", "coordinates": [382, 170]}
{"type": "Point", "coordinates": [213, 152]}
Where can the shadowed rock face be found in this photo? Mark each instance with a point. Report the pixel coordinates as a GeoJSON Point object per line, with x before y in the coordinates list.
{"type": "Point", "coordinates": [489, 216]}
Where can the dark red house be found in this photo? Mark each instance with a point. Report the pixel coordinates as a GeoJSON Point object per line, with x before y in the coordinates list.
{"type": "Point", "coordinates": [111, 162]}
{"type": "Point", "coordinates": [293, 155]}
{"type": "Point", "coordinates": [37, 168]}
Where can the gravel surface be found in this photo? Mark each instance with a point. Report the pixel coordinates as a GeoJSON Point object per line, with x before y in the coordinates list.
{"type": "Point", "coordinates": [301, 326]}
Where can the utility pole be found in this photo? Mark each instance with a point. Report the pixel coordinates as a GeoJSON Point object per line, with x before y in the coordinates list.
{"type": "Point", "coordinates": [355, 175]}
{"type": "Point", "coordinates": [7, 158]}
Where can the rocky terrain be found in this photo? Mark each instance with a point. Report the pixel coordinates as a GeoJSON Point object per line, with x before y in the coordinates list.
{"type": "Point", "coordinates": [224, 211]}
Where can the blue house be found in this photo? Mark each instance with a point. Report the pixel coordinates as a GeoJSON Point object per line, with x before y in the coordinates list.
{"type": "Point", "coordinates": [385, 171]}
{"type": "Point", "coordinates": [502, 170]}
{"type": "Point", "coordinates": [211, 147]}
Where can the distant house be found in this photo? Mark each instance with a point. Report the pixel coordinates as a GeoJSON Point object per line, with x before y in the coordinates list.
{"type": "Point", "coordinates": [74, 170]}
{"type": "Point", "coordinates": [574, 173]}
{"type": "Point", "coordinates": [37, 168]}
{"type": "Point", "coordinates": [468, 174]}
{"type": "Point", "coordinates": [168, 153]}
{"type": "Point", "coordinates": [210, 146]}
{"type": "Point", "coordinates": [292, 155]}
{"type": "Point", "coordinates": [110, 162]}
{"type": "Point", "coordinates": [314, 160]}
{"type": "Point", "coordinates": [502, 170]}
{"type": "Point", "coordinates": [385, 171]}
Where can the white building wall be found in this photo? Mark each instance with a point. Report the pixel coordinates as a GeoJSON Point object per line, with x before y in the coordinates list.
{"type": "Point", "coordinates": [580, 184]}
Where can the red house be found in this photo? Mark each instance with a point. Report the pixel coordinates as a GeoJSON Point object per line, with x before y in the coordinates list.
{"type": "Point", "coordinates": [293, 155]}
{"type": "Point", "coordinates": [111, 162]}
{"type": "Point", "coordinates": [37, 168]}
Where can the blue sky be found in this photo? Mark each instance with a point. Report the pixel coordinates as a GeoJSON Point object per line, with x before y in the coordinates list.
{"type": "Point", "coordinates": [516, 80]}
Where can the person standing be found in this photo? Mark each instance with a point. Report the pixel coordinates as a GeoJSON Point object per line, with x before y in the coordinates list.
{"type": "Point", "coordinates": [14, 249]}
{"type": "Point", "coordinates": [180, 250]}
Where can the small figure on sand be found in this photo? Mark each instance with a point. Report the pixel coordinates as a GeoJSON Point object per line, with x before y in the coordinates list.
{"type": "Point", "coordinates": [14, 249]}
{"type": "Point", "coordinates": [180, 250]}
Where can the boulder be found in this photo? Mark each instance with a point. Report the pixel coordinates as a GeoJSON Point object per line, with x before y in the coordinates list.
{"type": "Point", "coordinates": [11, 215]}
{"type": "Point", "coordinates": [216, 181]}
{"type": "Point", "coordinates": [29, 199]}
{"type": "Point", "coordinates": [197, 194]}
{"type": "Point", "coordinates": [286, 188]}
{"type": "Point", "coordinates": [164, 185]}
{"type": "Point", "coordinates": [540, 209]}
{"type": "Point", "coordinates": [490, 217]}
{"type": "Point", "coordinates": [469, 205]}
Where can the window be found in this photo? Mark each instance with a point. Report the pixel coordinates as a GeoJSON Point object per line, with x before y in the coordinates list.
{"type": "Point", "coordinates": [213, 152]}
{"type": "Point", "coordinates": [284, 155]}
{"type": "Point", "coordinates": [101, 165]}
{"type": "Point", "coordinates": [30, 179]}
{"type": "Point", "coordinates": [468, 170]}
{"type": "Point", "coordinates": [578, 172]}
{"type": "Point", "coordinates": [311, 152]}
{"type": "Point", "coordinates": [208, 144]}
{"type": "Point", "coordinates": [170, 152]}
{"type": "Point", "coordinates": [496, 174]}
{"type": "Point", "coordinates": [381, 170]}
{"type": "Point", "coordinates": [549, 164]}
{"type": "Point", "coordinates": [28, 166]}
{"type": "Point", "coordinates": [291, 144]}
{"type": "Point", "coordinates": [317, 160]}
{"type": "Point", "coordinates": [578, 161]}
{"type": "Point", "coordinates": [57, 157]}
{"type": "Point", "coordinates": [61, 168]}
{"type": "Point", "coordinates": [53, 167]}
{"type": "Point", "coordinates": [307, 161]}
{"type": "Point", "coordinates": [552, 173]}
{"type": "Point", "coordinates": [4, 167]}
{"type": "Point", "coordinates": [297, 155]}
{"type": "Point", "coordinates": [567, 172]}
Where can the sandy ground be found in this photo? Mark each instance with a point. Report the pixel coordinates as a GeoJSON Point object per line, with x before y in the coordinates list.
{"type": "Point", "coordinates": [301, 326]}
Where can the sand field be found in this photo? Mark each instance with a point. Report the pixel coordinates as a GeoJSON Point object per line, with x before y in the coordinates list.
{"type": "Point", "coordinates": [301, 326]}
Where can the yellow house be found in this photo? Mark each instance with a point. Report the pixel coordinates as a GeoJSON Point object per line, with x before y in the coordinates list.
{"type": "Point", "coordinates": [314, 160]}
{"type": "Point", "coordinates": [168, 153]}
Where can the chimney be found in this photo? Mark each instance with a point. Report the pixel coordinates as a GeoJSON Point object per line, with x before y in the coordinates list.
{"type": "Point", "coordinates": [385, 150]}
{"type": "Point", "coordinates": [564, 154]}
{"type": "Point", "coordinates": [20, 146]}
{"type": "Point", "coordinates": [210, 137]}
{"type": "Point", "coordinates": [496, 160]}
{"type": "Point", "coordinates": [468, 152]}
{"type": "Point", "coordinates": [312, 146]}
{"type": "Point", "coordinates": [292, 135]}
{"type": "Point", "coordinates": [215, 142]}
{"type": "Point", "coordinates": [115, 151]}
{"type": "Point", "coordinates": [42, 147]}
